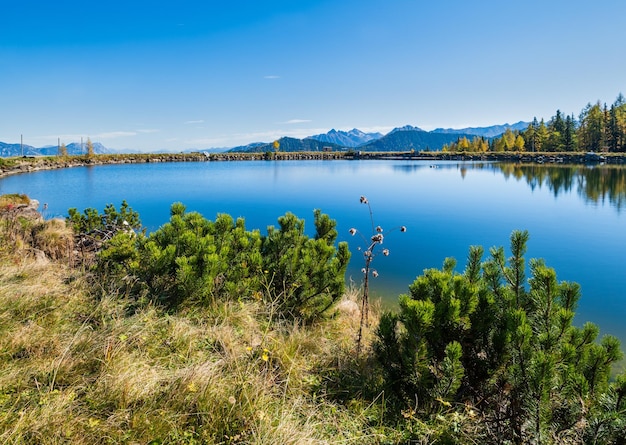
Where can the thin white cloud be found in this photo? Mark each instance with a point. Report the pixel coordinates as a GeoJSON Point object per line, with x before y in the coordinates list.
{"type": "Point", "coordinates": [62, 137]}
{"type": "Point", "coordinates": [297, 121]}
{"type": "Point", "coordinates": [93, 137]}
{"type": "Point", "coordinates": [97, 136]}
{"type": "Point", "coordinates": [148, 130]}
{"type": "Point", "coordinates": [199, 121]}
{"type": "Point", "coordinates": [271, 77]}
{"type": "Point", "coordinates": [232, 140]}
{"type": "Point", "coordinates": [114, 135]}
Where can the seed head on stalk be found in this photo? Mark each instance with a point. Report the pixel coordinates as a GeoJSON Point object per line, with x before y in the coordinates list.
{"type": "Point", "coordinates": [370, 250]}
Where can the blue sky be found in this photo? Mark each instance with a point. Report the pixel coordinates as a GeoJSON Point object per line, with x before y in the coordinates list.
{"type": "Point", "coordinates": [151, 76]}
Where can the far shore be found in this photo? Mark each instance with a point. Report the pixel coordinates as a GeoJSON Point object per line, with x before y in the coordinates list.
{"type": "Point", "coordinates": [26, 164]}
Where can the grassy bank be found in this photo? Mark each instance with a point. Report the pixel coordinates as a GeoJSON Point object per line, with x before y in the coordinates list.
{"type": "Point", "coordinates": [84, 365]}
{"type": "Point", "coordinates": [206, 333]}
{"type": "Point", "coordinates": [84, 371]}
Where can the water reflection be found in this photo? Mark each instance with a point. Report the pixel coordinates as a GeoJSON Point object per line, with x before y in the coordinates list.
{"type": "Point", "coordinates": [412, 167]}
{"type": "Point", "coordinates": [594, 184]}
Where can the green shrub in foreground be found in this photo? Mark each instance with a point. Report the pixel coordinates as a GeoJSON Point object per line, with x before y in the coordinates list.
{"type": "Point", "coordinates": [306, 275]}
{"type": "Point", "coordinates": [193, 260]}
{"type": "Point", "coordinates": [92, 222]}
{"type": "Point", "coordinates": [481, 339]}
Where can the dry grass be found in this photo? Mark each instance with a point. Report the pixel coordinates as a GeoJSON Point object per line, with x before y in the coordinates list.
{"type": "Point", "coordinates": [85, 370]}
{"type": "Point", "coordinates": [13, 199]}
{"type": "Point", "coordinates": [23, 231]}
{"type": "Point", "coordinates": [55, 239]}
{"type": "Point", "coordinates": [82, 367]}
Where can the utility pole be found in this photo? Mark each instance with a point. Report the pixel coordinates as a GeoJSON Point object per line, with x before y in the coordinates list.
{"type": "Point", "coordinates": [22, 144]}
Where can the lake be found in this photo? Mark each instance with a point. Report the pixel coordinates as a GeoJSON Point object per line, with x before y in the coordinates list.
{"type": "Point", "coordinates": [575, 215]}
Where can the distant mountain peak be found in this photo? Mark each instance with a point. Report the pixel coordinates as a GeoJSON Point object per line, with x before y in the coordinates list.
{"type": "Point", "coordinates": [352, 138]}
{"type": "Point", "coordinates": [78, 148]}
{"type": "Point", "coordinates": [491, 131]}
{"type": "Point", "coordinates": [406, 128]}
{"type": "Point", "coordinates": [74, 148]}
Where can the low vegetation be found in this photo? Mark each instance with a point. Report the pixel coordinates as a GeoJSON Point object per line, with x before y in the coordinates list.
{"type": "Point", "coordinates": [207, 332]}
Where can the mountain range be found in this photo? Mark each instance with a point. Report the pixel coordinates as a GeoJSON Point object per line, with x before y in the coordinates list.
{"type": "Point", "coordinates": [399, 139]}
{"type": "Point", "coordinates": [488, 132]}
{"type": "Point", "coordinates": [403, 138]}
{"type": "Point", "coordinates": [351, 139]}
{"type": "Point", "coordinates": [75, 148]}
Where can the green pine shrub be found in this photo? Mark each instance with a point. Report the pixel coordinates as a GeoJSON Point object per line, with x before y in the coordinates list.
{"type": "Point", "coordinates": [92, 222]}
{"type": "Point", "coordinates": [485, 339]}
{"type": "Point", "coordinates": [305, 275]}
{"type": "Point", "coordinates": [192, 260]}
{"type": "Point", "coordinates": [196, 260]}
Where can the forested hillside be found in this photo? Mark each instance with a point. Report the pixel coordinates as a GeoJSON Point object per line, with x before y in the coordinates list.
{"type": "Point", "coordinates": [598, 128]}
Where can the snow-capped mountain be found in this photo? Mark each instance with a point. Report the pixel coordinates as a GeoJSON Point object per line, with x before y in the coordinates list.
{"type": "Point", "coordinates": [405, 128]}
{"type": "Point", "coordinates": [352, 138]}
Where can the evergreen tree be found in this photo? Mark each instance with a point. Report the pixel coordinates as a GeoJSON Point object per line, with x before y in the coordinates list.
{"type": "Point", "coordinates": [557, 123]}
{"type": "Point", "coordinates": [556, 132]}
{"type": "Point", "coordinates": [554, 142]}
{"type": "Point", "coordinates": [613, 131]}
{"type": "Point", "coordinates": [569, 134]}
{"type": "Point", "coordinates": [591, 128]}
{"type": "Point", "coordinates": [542, 135]}
{"type": "Point", "coordinates": [617, 132]}
{"type": "Point", "coordinates": [605, 128]}
{"type": "Point", "coordinates": [531, 136]}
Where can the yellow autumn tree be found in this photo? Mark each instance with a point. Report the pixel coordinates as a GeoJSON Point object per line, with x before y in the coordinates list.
{"type": "Point", "coordinates": [90, 151]}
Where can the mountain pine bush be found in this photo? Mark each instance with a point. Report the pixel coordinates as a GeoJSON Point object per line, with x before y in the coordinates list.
{"type": "Point", "coordinates": [484, 339]}
{"type": "Point", "coordinates": [192, 260]}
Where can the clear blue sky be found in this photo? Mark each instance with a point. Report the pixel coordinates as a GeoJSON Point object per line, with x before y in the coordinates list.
{"type": "Point", "coordinates": [150, 76]}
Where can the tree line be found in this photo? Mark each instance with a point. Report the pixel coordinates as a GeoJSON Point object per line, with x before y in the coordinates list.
{"type": "Point", "coordinates": [599, 128]}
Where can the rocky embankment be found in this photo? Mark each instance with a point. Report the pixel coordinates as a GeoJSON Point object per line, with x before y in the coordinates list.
{"type": "Point", "coordinates": [521, 158]}
{"type": "Point", "coordinates": [9, 166]}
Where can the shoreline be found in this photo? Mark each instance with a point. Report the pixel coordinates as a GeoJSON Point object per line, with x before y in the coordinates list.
{"type": "Point", "coordinates": [17, 165]}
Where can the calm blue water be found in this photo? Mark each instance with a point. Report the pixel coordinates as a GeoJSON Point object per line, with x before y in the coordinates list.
{"type": "Point", "coordinates": [574, 215]}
